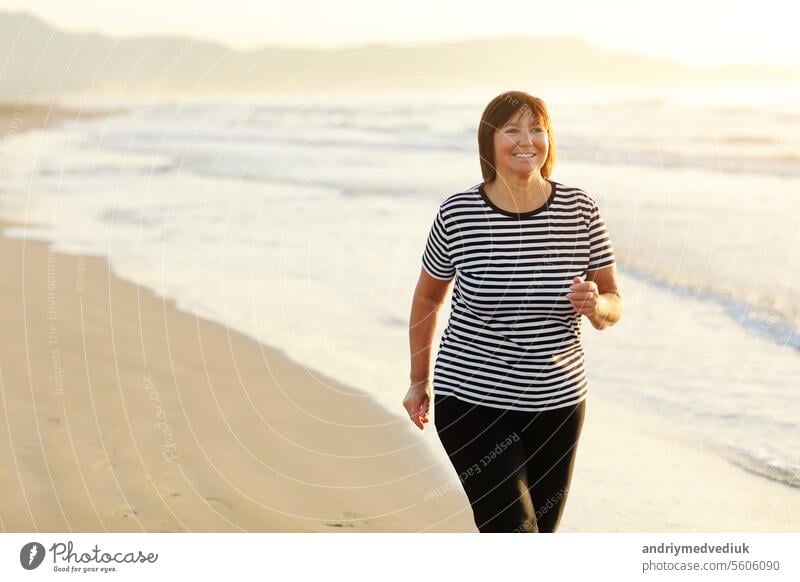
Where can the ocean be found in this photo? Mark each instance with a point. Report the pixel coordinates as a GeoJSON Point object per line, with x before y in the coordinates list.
{"type": "Point", "coordinates": [300, 220]}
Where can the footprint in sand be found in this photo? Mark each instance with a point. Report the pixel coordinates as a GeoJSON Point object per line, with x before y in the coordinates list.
{"type": "Point", "coordinates": [219, 502]}
{"type": "Point", "coordinates": [169, 496]}
{"type": "Point", "coordinates": [162, 490]}
{"type": "Point", "coordinates": [126, 512]}
{"type": "Point", "coordinates": [165, 493]}
{"type": "Point", "coordinates": [352, 520]}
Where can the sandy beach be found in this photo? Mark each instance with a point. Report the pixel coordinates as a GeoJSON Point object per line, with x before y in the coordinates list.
{"type": "Point", "coordinates": [122, 412]}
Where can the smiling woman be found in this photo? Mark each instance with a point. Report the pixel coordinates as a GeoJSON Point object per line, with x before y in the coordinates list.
{"type": "Point", "coordinates": [514, 116]}
{"type": "Point", "coordinates": [519, 150]}
{"type": "Point", "coordinates": [529, 256]}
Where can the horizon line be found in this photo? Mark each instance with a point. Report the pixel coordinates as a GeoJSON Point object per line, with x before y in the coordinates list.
{"type": "Point", "coordinates": [396, 44]}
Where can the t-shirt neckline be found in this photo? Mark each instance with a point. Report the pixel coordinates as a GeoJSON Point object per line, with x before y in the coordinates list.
{"type": "Point", "coordinates": [527, 214]}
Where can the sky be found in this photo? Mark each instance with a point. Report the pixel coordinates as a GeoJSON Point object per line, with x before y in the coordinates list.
{"type": "Point", "coordinates": [693, 32]}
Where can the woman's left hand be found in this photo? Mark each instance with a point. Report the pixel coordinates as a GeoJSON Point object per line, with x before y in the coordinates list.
{"type": "Point", "coordinates": [584, 296]}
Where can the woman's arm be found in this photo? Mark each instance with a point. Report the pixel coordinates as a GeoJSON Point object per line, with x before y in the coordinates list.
{"type": "Point", "coordinates": [609, 306]}
{"type": "Point", "coordinates": [609, 310]}
{"type": "Point", "coordinates": [428, 298]}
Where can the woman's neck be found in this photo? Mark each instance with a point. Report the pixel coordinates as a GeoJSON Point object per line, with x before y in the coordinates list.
{"type": "Point", "coordinates": [519, 192]}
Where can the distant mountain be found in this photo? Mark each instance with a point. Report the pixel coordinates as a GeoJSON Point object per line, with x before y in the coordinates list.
{"type": "Point", "coordinates": [38, 60]}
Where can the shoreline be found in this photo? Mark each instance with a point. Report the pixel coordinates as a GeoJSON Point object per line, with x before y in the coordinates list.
{"type": "Point", "coordinates": [23, 115]}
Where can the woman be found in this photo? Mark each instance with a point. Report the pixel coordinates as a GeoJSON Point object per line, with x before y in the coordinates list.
{"type": "Point", "coordinates": [529, 256]}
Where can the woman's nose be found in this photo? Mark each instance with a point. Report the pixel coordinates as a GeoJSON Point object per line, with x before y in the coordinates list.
{"type": "Point", "coordinates": [526, 137]}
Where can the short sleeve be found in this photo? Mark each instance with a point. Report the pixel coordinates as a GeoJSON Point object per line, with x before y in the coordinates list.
{"type": "Point", "coordinates": [436, 258]}
{"type": "Point", "coordinates": [601, 253]}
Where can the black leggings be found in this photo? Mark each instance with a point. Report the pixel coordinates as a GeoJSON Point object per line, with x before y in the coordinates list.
{"type": "Point", "coordinates": [515, 466]}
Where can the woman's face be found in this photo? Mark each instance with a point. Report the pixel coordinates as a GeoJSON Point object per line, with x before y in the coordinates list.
{"type": "Point", "coordinates": [521, 145]}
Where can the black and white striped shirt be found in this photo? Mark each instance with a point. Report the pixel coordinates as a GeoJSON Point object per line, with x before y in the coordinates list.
{"type": "Point", "coordinates": [513, 338]}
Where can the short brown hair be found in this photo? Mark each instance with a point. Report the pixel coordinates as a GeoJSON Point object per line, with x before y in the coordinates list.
{"type": "Point", "coordinates": [497, 113]}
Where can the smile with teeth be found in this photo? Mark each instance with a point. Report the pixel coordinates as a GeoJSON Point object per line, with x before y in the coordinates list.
{"type": "Point", "coordinates": [524, 156]}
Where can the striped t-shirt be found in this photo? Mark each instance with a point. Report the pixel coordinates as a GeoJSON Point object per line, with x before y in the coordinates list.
{"type": "Point", "coordinates": [513, 338]}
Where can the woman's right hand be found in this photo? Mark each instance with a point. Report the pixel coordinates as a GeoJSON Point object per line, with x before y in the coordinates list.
{"type": "Point", "coordinates": [417, 402]}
